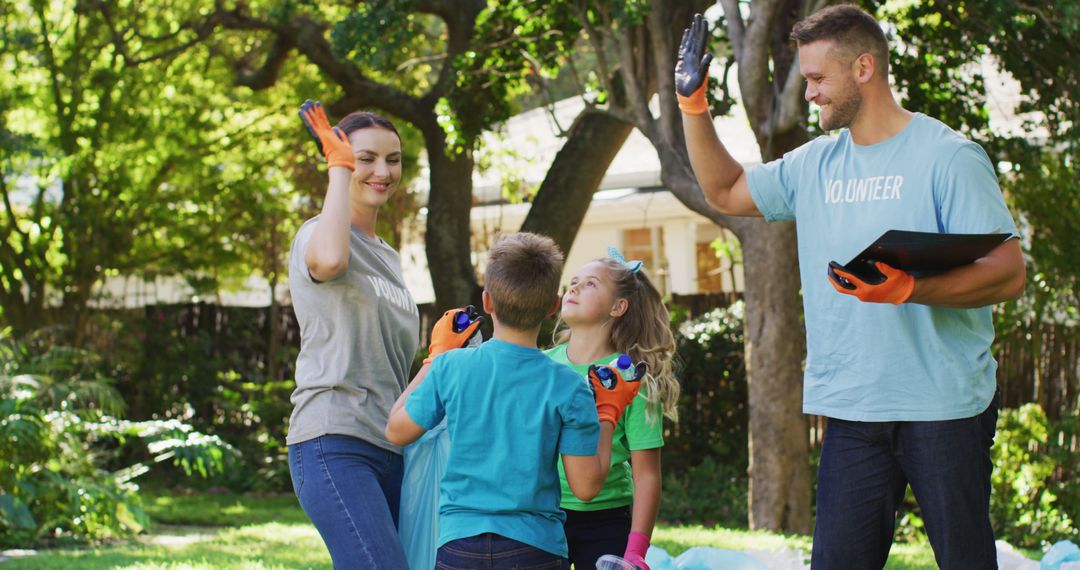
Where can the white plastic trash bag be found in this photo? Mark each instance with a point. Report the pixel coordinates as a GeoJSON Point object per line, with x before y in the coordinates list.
{"type": "Point", "coordinates": [701, 558]}
{"type": "Point", "coordinates": [1063, 555]}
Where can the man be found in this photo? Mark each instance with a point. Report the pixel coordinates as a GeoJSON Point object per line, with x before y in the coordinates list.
{"type": "Point", "coordinates": [902, 368]}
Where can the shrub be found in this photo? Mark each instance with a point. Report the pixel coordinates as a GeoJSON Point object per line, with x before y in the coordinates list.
{"type": "Point", "coordinates": [712, 407]}
{"type": "Point", "coordinates": [711, 493]}
{"type": "Point", "coordinates": [705, 454]}
{"type": "Point", "coordinates": [65, 468]}
{"type": "Point", "coordinates": [1035, 500]}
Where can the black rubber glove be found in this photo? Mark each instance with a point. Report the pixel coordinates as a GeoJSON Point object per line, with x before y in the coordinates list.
{"type": "Point", "coordinates": [693, 67]}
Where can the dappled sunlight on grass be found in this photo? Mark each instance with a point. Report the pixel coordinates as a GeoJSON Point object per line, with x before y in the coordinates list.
{"type": "Point", "coordinates": [676, 539]}
{"type": "Point", "coordinates": [272, 546]}
{"type": "Point", "coordinates": [224, 510]}
{"type": "Point", "coordinates": [237, 532]}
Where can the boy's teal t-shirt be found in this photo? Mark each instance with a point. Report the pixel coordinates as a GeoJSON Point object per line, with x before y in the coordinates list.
{"type": "Point", "coordinates": [882, 362]}
{"type": "Point", "coordinates": [636, 430]}
{"type": "Point", "coordinates": [510, 412]}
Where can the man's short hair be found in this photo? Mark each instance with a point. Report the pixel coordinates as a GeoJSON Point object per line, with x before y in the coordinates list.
{"type": "Point", "coordinates": [522, 277]}
{"type": "Point", "coordinates": [853, 30]}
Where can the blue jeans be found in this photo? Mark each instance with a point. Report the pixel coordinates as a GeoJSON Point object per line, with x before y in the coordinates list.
{"type": "Point", "coordinates": [350, 489]}
{"type": "Point", "coordinates": [491, 551]}
{"type": "Point", "coordinates": [864, 473]}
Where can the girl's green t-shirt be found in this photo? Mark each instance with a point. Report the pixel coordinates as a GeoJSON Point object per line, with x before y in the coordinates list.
{"type": "Point", "coordinates": [634, 432]}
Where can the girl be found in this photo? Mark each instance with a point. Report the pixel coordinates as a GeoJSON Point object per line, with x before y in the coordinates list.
{"type": "Point", "coordinates": [611, 307]}
{"type": "Point", "coordinates": [358, 334]}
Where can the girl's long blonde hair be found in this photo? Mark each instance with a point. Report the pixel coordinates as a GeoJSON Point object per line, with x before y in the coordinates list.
{"type": "Point", "coordinates": [643, 332]}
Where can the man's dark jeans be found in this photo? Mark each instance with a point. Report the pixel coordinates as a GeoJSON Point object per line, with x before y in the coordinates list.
{"type": "Point", "coordinates": [864, 473]}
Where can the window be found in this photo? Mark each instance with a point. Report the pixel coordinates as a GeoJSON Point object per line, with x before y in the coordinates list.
{"type": "Point", "coordinates": [715, 273]}
{"type": "Point", "coordinates": [638, 244]}
{"type": "Point", "coordinates": [647, 245]}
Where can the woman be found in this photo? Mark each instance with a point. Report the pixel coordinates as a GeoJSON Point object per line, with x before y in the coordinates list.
{"type": "Point", "coordinates": [358, 334]}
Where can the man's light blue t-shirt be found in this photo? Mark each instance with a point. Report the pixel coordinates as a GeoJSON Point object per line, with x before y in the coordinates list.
{"type": "Point", "coordinates": [882, 362]}
{"type": "Point", "coordinates": [509, 415]}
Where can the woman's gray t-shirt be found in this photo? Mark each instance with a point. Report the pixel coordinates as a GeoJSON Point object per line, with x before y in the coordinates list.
{"type": "Point", "coordinates": [358, 336]}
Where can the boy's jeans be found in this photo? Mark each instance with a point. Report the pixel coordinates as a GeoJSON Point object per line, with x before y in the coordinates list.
{"type": "Point", "coordinates": [865, 470]}
{"type": "Point", "coordinates": [350, 489]}
{"type": "Point", "coordinates": [491, 551]}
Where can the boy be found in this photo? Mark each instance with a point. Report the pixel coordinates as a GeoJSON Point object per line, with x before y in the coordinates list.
{"type": "Point", "coordinates": [510, 412]}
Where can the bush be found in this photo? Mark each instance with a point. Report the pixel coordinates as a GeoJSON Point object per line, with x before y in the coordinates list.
{"type": "Point", "coordinates": [65, 469]}
{"type": "Point", "coordinates": [711, 493]}
{"type": "Point", "coordinates": [712, 408]}
{"type": "Point", "coordinates": [705, 454]}
{"type": "Point", "coordinates": [1035, 497]}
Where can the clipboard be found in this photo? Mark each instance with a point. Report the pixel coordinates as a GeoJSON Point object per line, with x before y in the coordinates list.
{"type": "Point", "coordinates": [922, 253]}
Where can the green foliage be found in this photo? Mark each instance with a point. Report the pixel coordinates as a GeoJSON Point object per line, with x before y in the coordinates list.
{"type": "Point", "coordinates": [712, 408]}
{"type": "Point", "coordinates": [938, 64]}
{"type": "Point", "coordinates": [711, 493]}
{"type": "Point", "coordinates": [127, 151]}
{"type": "Point", "coordinates": [516, 40]}
{"type": "Point", "coordinates": [382, 34]}
{"type": "Point", "coordinates": [1035, 498]}
{"type": "Point", "coordinates": [58, 480]}
{"type": "Point", "coordinates": [705, 454]}
{"type": "Point", "coordinates": [208, 366]}
{"type": "Point", "coordinates": [1045, 188]}
{"type": "Point", "coordinates": [941, 42]}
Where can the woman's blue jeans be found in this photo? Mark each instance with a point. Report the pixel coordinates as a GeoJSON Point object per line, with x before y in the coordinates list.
{"type": "Point", "coordinates": [350, 489]}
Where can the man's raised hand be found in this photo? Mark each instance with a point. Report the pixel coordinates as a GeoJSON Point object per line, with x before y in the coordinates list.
{"type": "Point", "coordinates": [692, 69]}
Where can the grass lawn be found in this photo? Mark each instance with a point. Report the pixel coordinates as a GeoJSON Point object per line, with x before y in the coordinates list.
{"type": "Point", "coordinates": [204, 532]}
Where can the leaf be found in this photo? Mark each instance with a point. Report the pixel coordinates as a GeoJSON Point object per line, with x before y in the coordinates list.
{"type": "Point", "coordinates": [15, 513]}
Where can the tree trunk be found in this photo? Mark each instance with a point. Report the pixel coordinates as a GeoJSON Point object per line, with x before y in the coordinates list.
{"type": "Point", "coordinates": [775, 344]}
{"type": "Point", "coordinates": [447, 240]}
{"type": "Point", "coordinates": [779, 471]}
{"type": "Point", "coordinates": [273, 343]}
{"type": "Point", "coordinates": [575, 174]}
{"type": "Point", "coordinates": [775, 340]}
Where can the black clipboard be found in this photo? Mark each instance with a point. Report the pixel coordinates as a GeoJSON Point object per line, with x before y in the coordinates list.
{"type": "Point", "coordinates": [922, 253]}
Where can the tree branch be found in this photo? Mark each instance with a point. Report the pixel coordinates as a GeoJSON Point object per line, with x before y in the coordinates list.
{"type": "Point", "coordinates": [460, 18]}
{"type": "Point", "coordinates": [266, 75]}
{"type": "Point", "coordinates": [14, 223]}
{"type": "Point", "coordinates": [636, 96]}
{"type": "Point", "coordinates": [617, 113]}
{"type": "Point", "coordinates": [309, 38]}
{"type": "Point", "coordinates": [754, 65]}
{"type": "Point", "coordinates": [736, 28]}
{"type": "Point", "coordinates": [790, 100]}
{"type": "Point", "coordinates": [664, 54]}
{"type": "Point", "coordinates": [597, 42]}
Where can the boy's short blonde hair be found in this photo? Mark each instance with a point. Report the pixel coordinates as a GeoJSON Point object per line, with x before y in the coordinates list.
{"type": "Point", "coordinates": [522, 277]}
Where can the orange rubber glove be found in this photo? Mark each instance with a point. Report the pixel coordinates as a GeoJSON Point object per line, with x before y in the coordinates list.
{"type": "Point", "coordinates": [611, 402]}
{"type": "Point", "coordinates": [695, 104]}
{"type": "Point", "coordinates": [447, 335]}
{"type": "Point", "coordinates": [332, 142]}
{"type": "Point", "coordinates": [895, 285]}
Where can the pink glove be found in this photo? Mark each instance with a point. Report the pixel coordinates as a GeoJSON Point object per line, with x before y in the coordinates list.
{"type": "Point", "coordinates": [637, 544]}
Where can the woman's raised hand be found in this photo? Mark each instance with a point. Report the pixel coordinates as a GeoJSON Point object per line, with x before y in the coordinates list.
{"type": "Point", "coordinates": [333, 143]}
